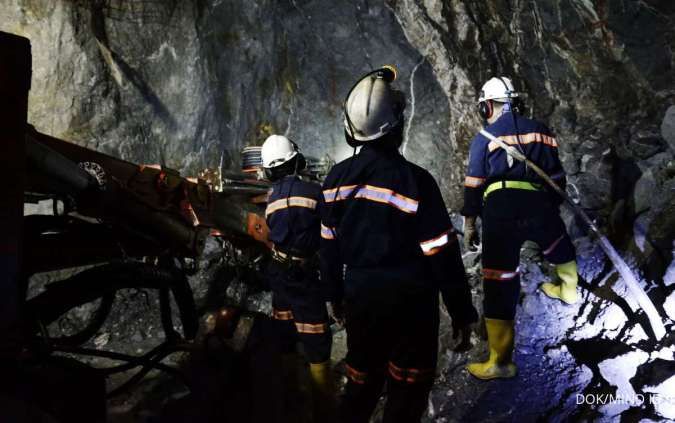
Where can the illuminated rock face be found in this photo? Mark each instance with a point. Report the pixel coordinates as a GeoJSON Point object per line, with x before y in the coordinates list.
{"type": "Point", "coordinates": [184, 82]}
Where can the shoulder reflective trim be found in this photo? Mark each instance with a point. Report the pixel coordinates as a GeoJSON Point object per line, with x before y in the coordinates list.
{"type": "Point", "coordinates": [524, 139]}
{"type": "Point", "coordinates": [473, 181]}
{"type": "Point", "coordinates": [500, 275]}
{"type": "Point", "coordinates": [550, 249]}
{"type": "Point", "coordinates": [327, 232]}
{"type": "Point", "coordinates": [310, 328]}
{"type": "Point", "coordinates": [355, 376]}
{"type": "Point", "coordinates": [410, 375]}
{"type": "Point", "coordinates": [434, 245]}
{"type": "Point", "coordinates": [290, 201]}
{"type": "Point", "coordinates": [373, 193]}
{"type": "Point", "coordinates": [331, 195]}
{"type": "Point", "coordinates": [282, 314]}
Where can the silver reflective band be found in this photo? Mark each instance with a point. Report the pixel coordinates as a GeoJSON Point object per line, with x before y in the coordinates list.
{"type": "Point", "coordinates": [373, 193]}
{"type": "Point", "coordinates": [434, 245]}
{"type": "Point", "coordinates": [290, 202]}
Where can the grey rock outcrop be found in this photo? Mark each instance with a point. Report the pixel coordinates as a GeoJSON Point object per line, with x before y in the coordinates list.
{"type": "Point", "coordinates": [558, 53]}
{"type": "Point", "coordinates": [668, 127]}
{"type": "Point", "coordinates": [185, 83]}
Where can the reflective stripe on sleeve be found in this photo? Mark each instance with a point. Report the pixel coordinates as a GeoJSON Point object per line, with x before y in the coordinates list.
{"type": "Point", "coordinates": [355, 376]}
{"type": "Point", "coordinates": [282, 314]}
{"type": "Point", "coordinates": [434, 245]}
{"type": "Point", "coordinates": [473, 181]}
{"type": "Point", "coordinates": [310, 328]}
{"type": "Point", "coordinates": [290, 202]}
{"type": "Point", "coordinates": [524, 139]}
{"type": "Point", "coordinates": [500, 275]}
{"type": "Point", "coordinates": [410, 375]}
{"type": "Point", "coordinates": [327, 232]}
{"type": "Point", "coordinates": [331, 195]}
{"type": "Point", "coordinates": [373, 193]}
{"type": "Point", "coordinates": [550, 249]}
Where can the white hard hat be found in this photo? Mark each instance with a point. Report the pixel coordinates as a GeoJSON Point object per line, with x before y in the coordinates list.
{"type": "Point", "coordinates": [499, 89]}
{"type": "Point", "coordinates": [373, 108]}
{"type": "Point", "coordinates": [277, 150]}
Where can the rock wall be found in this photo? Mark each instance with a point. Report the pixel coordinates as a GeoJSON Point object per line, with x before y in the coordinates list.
{"type": "Point", "coordinates": [184, 82]}
{"type": "Point", "coordinates": [601, 74]}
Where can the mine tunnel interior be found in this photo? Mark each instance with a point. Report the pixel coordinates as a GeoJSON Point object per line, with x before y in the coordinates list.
{"type": "Point", "coordinates": [184, 92]}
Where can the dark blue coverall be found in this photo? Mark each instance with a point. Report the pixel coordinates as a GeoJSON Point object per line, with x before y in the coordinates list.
{"type": "Point", "coordinates": [388, 247]}
{"type": "Point", "coordinates": [298, 298]}
{"type": "Point", "coordinates": [515, 205]}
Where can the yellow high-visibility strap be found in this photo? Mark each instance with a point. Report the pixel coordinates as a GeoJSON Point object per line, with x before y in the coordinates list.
{"type": "Point", "coordinates": [511, 184]}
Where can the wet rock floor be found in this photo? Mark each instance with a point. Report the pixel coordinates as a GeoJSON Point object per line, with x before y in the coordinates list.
{"type": "Point", "coordinates": [592, 361]}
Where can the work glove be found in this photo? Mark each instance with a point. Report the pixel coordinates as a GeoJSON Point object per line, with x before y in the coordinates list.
{"type": "Point", "coordinates": [471, 238]}
{"type": "Point", "coordinates": [336, 312]}
{"type": "Point", "coordinates": [461, 331]}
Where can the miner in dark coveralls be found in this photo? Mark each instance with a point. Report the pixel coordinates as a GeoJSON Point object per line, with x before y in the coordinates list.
{"type": "Point", "coordinates": [299, 301]}
{"type": "Point", "coordinates": [388, 248]}
{"type": "Point", "coordinates": [514, 206]}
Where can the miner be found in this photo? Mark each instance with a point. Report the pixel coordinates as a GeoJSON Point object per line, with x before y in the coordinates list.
{"type": "Point", "coordinates": [298, 299]}
{"type": "Point", "coordinates": [514, 206]}
{"type": "Point", "coordinates": [388, 247]}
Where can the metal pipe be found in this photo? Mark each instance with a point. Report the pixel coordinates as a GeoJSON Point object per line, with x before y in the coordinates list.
{"type": "Point", "coordinates": [57, 166]}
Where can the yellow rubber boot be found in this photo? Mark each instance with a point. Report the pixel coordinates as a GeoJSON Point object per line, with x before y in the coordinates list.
{"type": "Point", "coordinates": [500, 342]}
{"type": "Point", "coordinates": [323, 392]}
{"type": "Point", "coordinates": [566, 290]}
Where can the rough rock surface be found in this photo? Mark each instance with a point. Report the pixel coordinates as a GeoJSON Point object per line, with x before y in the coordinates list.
{"type": "Point", "coordinates": [185, 83]}
{"type": "Point", "coordinates": [668, 127]}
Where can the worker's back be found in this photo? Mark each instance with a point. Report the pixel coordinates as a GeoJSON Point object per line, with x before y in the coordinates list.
{"type": "Point", "coordinates": [376, 212]}
{"type": "Point", "coordinates": [489, 165]}
{"type": "Point", "coordinates": [293, 217]}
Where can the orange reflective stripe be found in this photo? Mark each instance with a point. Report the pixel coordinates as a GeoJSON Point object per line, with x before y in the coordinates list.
{"type": "Point", "coordinates": [327, 232]}
{"type": "Point", "coordinates": [473, 181]}
{"type": "Point", "coordinates": [290, 202]}
{"type": "Point", "coordinates": [355, 376]}
{"type": "Point", "coordinates": [373, 193]}
{"type": "Point", "coordinates": [282, 314]}
{"type": "Point", "coordinates": [311, 328]}
{"type": "Point", "coordinates": [500, 275]}
{"type": "Point", "coordinates": [524, 139]}
{"type": "Point", "coordinates": [331, 195]}
{"type": "Point", "coordinates": [410, 375]}
{"type": "Point", "coordinates": [434, 245]}
{"type": "Point", "coordinates": [550, 249]}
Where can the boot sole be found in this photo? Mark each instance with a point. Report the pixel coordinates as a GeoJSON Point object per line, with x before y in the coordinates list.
{"type": "Point", "coordinates": [508, 375]}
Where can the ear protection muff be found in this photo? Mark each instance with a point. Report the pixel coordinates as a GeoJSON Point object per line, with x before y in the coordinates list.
{"type": "Point", "coordinates": [300, 161]}
{"type": "Point", "coordinates": [291, 167]}
{"type": "Point", "coordinates": [486, 109]}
